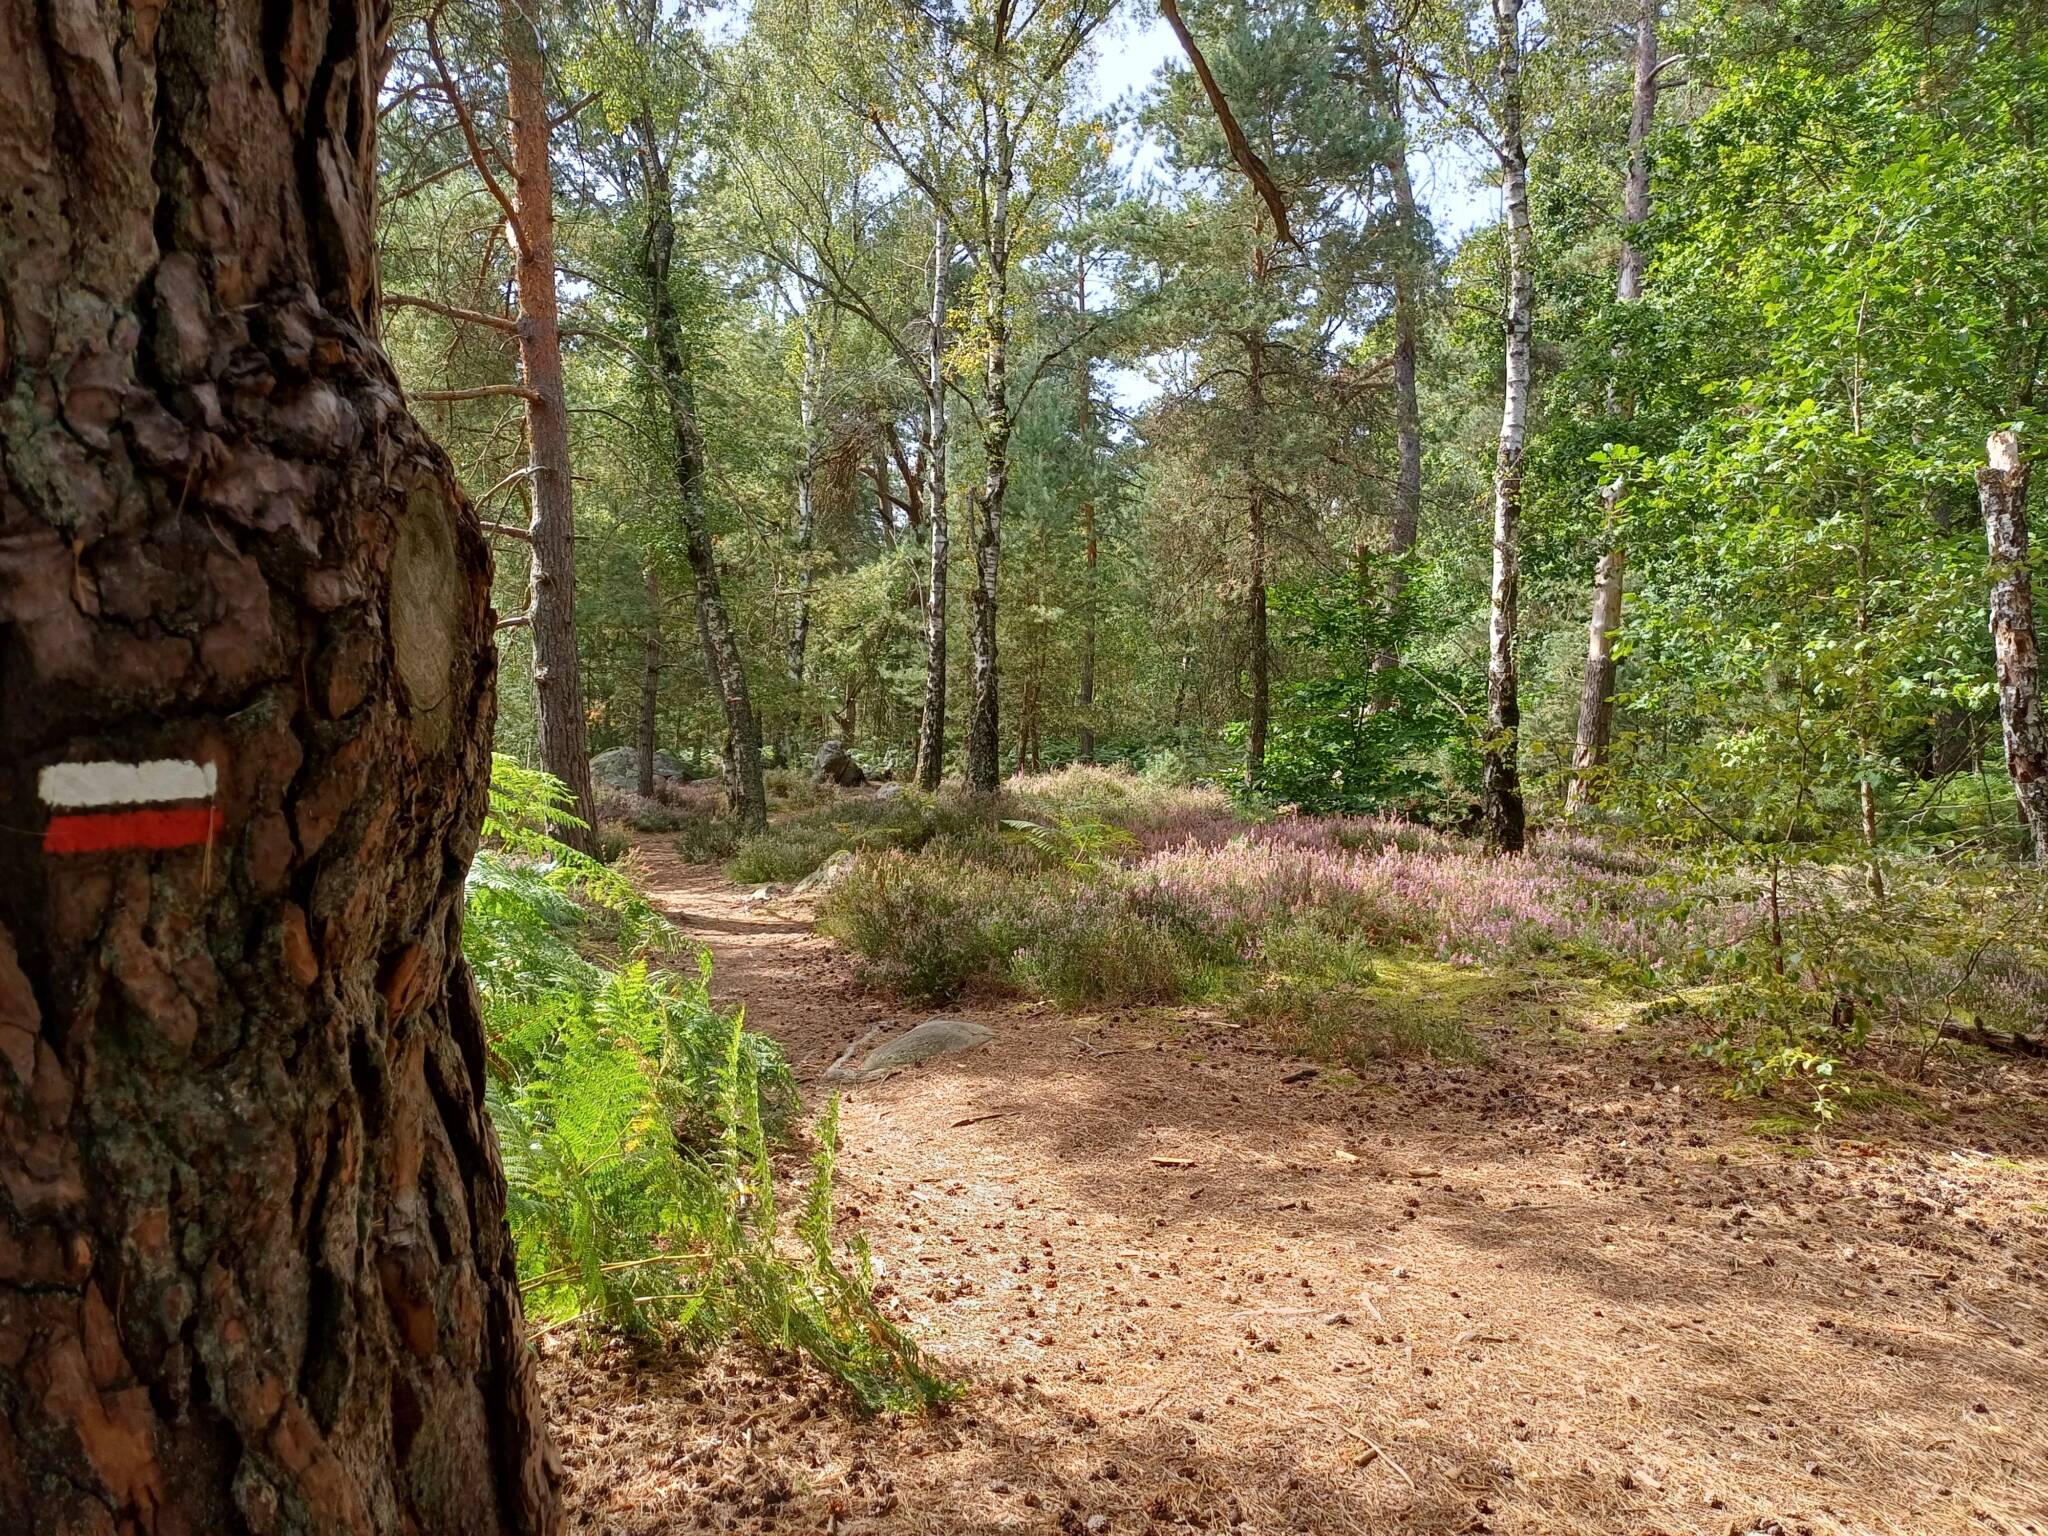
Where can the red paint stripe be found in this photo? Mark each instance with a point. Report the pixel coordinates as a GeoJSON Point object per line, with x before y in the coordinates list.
{"type": "Point", "coordinates": [175, 827]}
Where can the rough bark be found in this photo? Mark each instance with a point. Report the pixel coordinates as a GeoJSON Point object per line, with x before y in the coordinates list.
{"type": "Point", "coordinates": [931, 731]}
{"type": "Point", "coordinates": [723, 663]}
{"type": "Point", "coordinates": [650, 686]}
{"type": "Point", "coordinates": [1090, 547]}
{"type": "Point", "coordinates": [1596, 697]}
{"type": "Point", "coordinates": [2002, 496]}
{"type": "Point", "coordinates": [1642, 114]}
{"type": "Point", "coordinates": [984, 771]}
{"type": "Point", "coordinates": [551, 598]}
{"type": "Point", "coordinates": [1501, 807]}
{"type": "Point", "coordinates": [1257, 647]}
{"type": "Point", "coordinates": [254, 1270]}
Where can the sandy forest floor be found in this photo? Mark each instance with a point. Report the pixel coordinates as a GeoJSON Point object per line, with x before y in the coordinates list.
{"type": "Point", "coordinates": [1195, 1285]}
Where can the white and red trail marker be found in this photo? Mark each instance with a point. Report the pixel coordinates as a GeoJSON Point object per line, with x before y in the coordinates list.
{"type": "Point", "coordinates": [166, 802]}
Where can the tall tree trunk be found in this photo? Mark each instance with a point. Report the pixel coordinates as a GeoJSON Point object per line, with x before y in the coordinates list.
{"type": "Point", "coordinates": [551, 599]}
{"type": "Point", "coordinates": [1090, 596]}
{"type": "Point", "coordinates": [1027, 725]}
{"type": "Point", "coordinates": [1255, 624]}
{"type": "Point", "coordinates": [1642, 115]}
{"type": "Point", "coordinates": [2002, 495]}
{"type": "Point", "coordinates": [1596, 696]}
{"type": "Point", "coordinates": [984, 771]}
{"type": "Point", "coordinates": [254, 1270]}
{"type": "Point", "coordinates": [650, 686]}
{"type": "Point", "coordinates": [806, 515]}
{"type": "Point", "coordinates": [1407, 274]}
{"type": "Point", "coordinates": [723, 663]}
{"type": "Point", "coordinates": [931, 731]}
{"type": "Point", "coordinates": [1501, 806]}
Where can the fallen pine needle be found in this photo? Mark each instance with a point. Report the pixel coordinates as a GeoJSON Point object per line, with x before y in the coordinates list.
{"type": "Point", "coordinates": [1379, 1453]}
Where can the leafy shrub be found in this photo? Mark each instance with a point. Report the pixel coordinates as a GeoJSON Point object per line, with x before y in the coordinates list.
{"type": "Point", "coordinates": [638, 1121]}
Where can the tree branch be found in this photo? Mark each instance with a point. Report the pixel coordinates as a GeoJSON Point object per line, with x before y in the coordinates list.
{"type": "Point", "coordinates": [503, 323]}
{"type": "Point", "coordinates": [469, 136]}
{"type": "Point", "coordinates": [1241, 149]}
{"type": "Point", "coordinates": [506, 530]}
{"type": "Point", "coordinates": [478, 392]}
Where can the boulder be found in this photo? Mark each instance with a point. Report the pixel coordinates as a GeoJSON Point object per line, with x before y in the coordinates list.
{"type": "Point", "coordinates": [925, 1042]}
{"type": "Point", "coordinates": [888, 791]}
{"type": "Point", "coordinates": [835, 765]}
{"type": "Point", "coordinates": [620, 769]}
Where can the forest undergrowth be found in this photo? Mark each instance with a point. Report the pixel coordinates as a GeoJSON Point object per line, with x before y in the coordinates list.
{"type": "Point", "coordinates": [1385, 1220]}
{"type": "Point", "coordinates": [1094, 887]}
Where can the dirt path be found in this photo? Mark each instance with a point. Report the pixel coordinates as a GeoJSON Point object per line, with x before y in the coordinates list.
{"type": "Point", "coordinates": [1195, 1288]}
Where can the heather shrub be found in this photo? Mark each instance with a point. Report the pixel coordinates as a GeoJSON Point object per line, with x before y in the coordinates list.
{"type": "Point", "coordinates": [913, 923]}
{"type": "Point", "coordinates": [707, 836]}
{"type": "Point", "coordinates": [1156, 812]}
{"type": "Point", "coordinates": [1353, 1024]}
{"type": "Point", "coordinates": [1317, 987]}
{"type": "Point", "coordinates": [1098, 947]}
{"type": "Point", "coordinates": [795, 789]}
{"type": "Point", "coordinates": [932, 926]}
{"type": "Point", "coordinates": [792, 848]}
{"type": "Point", "coordinates": [638, 812]}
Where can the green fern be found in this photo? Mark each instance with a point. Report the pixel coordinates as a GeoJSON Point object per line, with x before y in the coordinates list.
{"type": "Point", "coordinates": [637, 1124]}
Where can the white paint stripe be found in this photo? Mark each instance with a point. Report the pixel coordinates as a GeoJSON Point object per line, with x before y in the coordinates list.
{"type": "Point", "coordinates": [79, 785]}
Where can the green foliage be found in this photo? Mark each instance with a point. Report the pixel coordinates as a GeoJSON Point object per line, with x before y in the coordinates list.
{"type": "Point", "coordinates": [794, 847]}
{"type": "Point", "coordinates": [638, 1124]}
{"type": "Point", "coordinates": [1077, 839]}
{"type": "Point", "coordinates": [1346, 739]}
{"type": "Point", "coordinates": [1319, 988]}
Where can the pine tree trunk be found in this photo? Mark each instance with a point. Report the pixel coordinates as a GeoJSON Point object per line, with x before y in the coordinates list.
{"type": "Point", "coordinates": [1256, 641]}
{"type": "Point", "coordinates": [1501, 804]}
{"type": "Point", "coordinates": [2002, 495]}
{"type": "Point", "coordinates": [1091, 550]}
{"type": "Point", "coordinates": [931, 731]}
{"type": "Point", "coordinates": [1596, 698]}
{"type": "Point", "coordinates": [984, 771]}
{"type": "Point", "coordinates": [650, 686]}
{"type": "Point", "coordinates": [254, 1269]}
{"type": "Point", "coordinates": [551, 599]}
{"type": "Point", "coordinates": [723, 663]}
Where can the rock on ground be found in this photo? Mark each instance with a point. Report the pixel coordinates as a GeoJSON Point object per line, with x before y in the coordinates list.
{"type": "Point", "coordinates": [620, 768]}
{"type": "Point", "coordinates": [931, 1039]}
{"type": "Point", "coordinates": [835, 765]}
